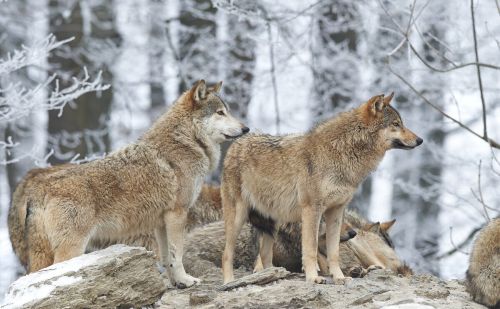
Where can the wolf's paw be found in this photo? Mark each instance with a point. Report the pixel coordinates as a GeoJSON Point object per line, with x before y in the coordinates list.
{"type": "Point", "coordinates": [373, 267]}
{"type": "Point", "coordinates": [186, 282]}
{"type": "Point", "coordinates": [317, 279]}
{"type": "Point", "coordinates": [357, 272]}
{"type": "Point", "coordinates": [341, 281]}
{"type": "Point", "coordinates": [258, 267]}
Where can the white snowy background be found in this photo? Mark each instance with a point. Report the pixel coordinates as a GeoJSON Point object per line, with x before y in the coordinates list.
{"type": "Point", "coordinates": [307, 60]}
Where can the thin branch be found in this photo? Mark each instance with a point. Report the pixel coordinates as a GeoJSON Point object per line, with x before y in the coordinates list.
{"type": "Point", "coordinates": [455, 67]}
{"type": "Point", "coordinates": [459, 247]}
{"type": "Point", "coordinates": [273, 77]}
{"type": "Point", "coordinates": [478, 69]}
{"type": "Point", "coordinates": [490, 141]}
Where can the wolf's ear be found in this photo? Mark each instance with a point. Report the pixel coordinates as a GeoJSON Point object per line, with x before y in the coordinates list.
{"type": "Point", "coordinates": [199, 90]}
{"type": "Point", "coordinates": [217, 87]}
{"type": "Point", "coordinates": [385, 226]}
{"type": "Point", "coordinates": [388, 99]}
{"type": "Point", "coordinates": [376, 104]}
{"type": "Point", "coordinates": [374, 227]}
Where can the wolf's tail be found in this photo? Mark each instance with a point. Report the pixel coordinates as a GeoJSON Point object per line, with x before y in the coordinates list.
{"type": "Point", "coordinates": [38, 248]}
{"type": "Point", "coordinates": [16, 223]}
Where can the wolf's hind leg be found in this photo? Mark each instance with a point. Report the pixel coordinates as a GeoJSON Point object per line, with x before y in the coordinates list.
{"type": "Point", "coordinates": [333, 220]}
{"type": "Point", "coordinates": [266, 250]}
{"type": "Point", "coordinates": [72, 246]}
{"type": "Point", "coordinates": [234, 218]}
{"type": "Point", "coordinates": [40, 254]}
{"type": "Point", "coordinates": [175, 221]}
{"type": "Point", "coordinates": [322, 263]}
{"type": "Point", "coordinates": [310, 228]}
{"type": "Point", "coordinates": [258, 264]}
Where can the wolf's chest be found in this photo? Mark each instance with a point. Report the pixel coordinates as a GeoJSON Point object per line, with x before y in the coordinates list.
{"type": "Point", "coordinates": [197, 184]}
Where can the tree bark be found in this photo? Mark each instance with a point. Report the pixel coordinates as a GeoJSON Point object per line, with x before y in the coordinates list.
{"type": "Point", "coordinates": [82, 128]}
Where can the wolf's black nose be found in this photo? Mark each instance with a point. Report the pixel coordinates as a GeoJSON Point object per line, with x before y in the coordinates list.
{"type": "Point", "coordinates": [245, 130]}
{"type": "Point", "coordinates": [419, 141]}
{"type": "Point", "coordinates": [352, 233]}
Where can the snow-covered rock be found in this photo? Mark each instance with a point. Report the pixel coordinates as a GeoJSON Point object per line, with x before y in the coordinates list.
{"type": "Point", "coordinates": [118, 275]}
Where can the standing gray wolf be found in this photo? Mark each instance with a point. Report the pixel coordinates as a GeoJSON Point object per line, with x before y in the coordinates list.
{"type": "Point", "coordinates": [483, 275]}
{"type": "Point", "coordinates": [149, 184]}
{"type": "Point", "coordinates": [301, 177]}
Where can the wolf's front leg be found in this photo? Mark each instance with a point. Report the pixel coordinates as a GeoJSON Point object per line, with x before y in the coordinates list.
{"type": "Point", "coordinates": [310, 228]}
{"type": "Point", "coordinates": [175, 221]}
{"type": "Point", "coordinates": [333, 220]}
{"type": "Point", "coordinates": [234, 218]}
{"type": "Point", "coordinates": [162, 241]}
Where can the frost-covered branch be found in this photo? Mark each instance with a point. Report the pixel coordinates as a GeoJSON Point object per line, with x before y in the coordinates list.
{"type": "Point", "coordinates": [17, 101]}
{"type": "Point", "coordinates": [30, 55]}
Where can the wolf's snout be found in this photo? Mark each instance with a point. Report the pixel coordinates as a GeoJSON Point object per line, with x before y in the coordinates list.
{"type": "Point", "coordinates": [419, 141]}
{"type": "Point", "coordinates": [247, 129]}
{"type": "Point", "coordinates": [352, 233]}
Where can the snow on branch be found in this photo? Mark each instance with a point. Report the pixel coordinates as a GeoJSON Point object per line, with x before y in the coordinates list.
{"type": "Point", "coordinates": [16, 101]}
{"type": "Point", "coordinates": [30, 55]}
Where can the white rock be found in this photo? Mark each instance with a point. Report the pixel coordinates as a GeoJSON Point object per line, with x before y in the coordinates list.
{"type": "Point", "coordinates": [118, 275]}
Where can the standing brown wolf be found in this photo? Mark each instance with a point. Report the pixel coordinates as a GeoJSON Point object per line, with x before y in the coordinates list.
{"type": "Point", "coordinates": [207, 208]}
{"type": "Point", "coordinates": [483, 275]}
{"type": "Point", "coordinates": [151, 183]}
{"type": "Point", "coordinates": [301, 177]}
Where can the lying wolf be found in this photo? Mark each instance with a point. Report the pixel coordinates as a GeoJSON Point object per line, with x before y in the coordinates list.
{"type": "Point", "coordinates": [369, 249]}
{"type": "Point", "coordinates": [483, 275]}
{"type": "Point", "coordinates": [302, 177]}
{"type": "Point", "coordinates": [147, 185]}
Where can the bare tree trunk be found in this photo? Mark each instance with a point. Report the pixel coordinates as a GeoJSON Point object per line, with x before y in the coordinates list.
{"type": "Point", "coordinates": [21, 130]}
{"type": "Point", "coordinates": [240, 56]}
{"type": "Point", "coordinates": [335, 70]}
{"type": "Point", "coordinates": [197, 42]}
{"type": "Point", "coordinates": [157, 38]}
{"type": "Point", "coordinates": [82, 128]}
{"type": "Point", "coordinates": [418, 173]}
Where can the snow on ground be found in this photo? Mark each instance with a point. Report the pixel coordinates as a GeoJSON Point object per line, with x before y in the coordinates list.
{"type": "Point", "coordinates": [8, 263]}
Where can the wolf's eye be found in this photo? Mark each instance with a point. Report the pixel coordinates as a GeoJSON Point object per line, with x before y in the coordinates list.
{"type": "Point", "coordinates": [395, 123]}
{"type": "Point", "coordinates": [221, 113]}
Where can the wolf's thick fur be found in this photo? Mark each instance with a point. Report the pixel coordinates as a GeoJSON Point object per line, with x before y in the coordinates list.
{"type": "Point", "coordinates": [151, 183]}
{"type": "Point", "coordinates": [302, 177]}
{"type": "Point", "coordinates": [206, 209]}
{"type": "Point", "coordinates": [483, 275]}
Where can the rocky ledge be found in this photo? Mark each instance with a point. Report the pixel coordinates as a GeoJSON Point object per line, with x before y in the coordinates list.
{"type": "Point", "coordinates": [126, 277]}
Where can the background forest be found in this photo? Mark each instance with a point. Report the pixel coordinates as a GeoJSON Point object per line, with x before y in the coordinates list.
{"type": "Point", "coordinates": [80, 78]}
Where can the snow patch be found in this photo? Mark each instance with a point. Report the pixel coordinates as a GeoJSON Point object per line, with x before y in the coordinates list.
{"type": "Point", "coordinates": [19, 295]}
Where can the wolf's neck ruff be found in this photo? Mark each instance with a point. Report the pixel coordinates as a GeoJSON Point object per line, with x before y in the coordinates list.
{"type": "Point", "coordinates": [346, 139]}
{"type": "Point", "coordinates": [187, 143]}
